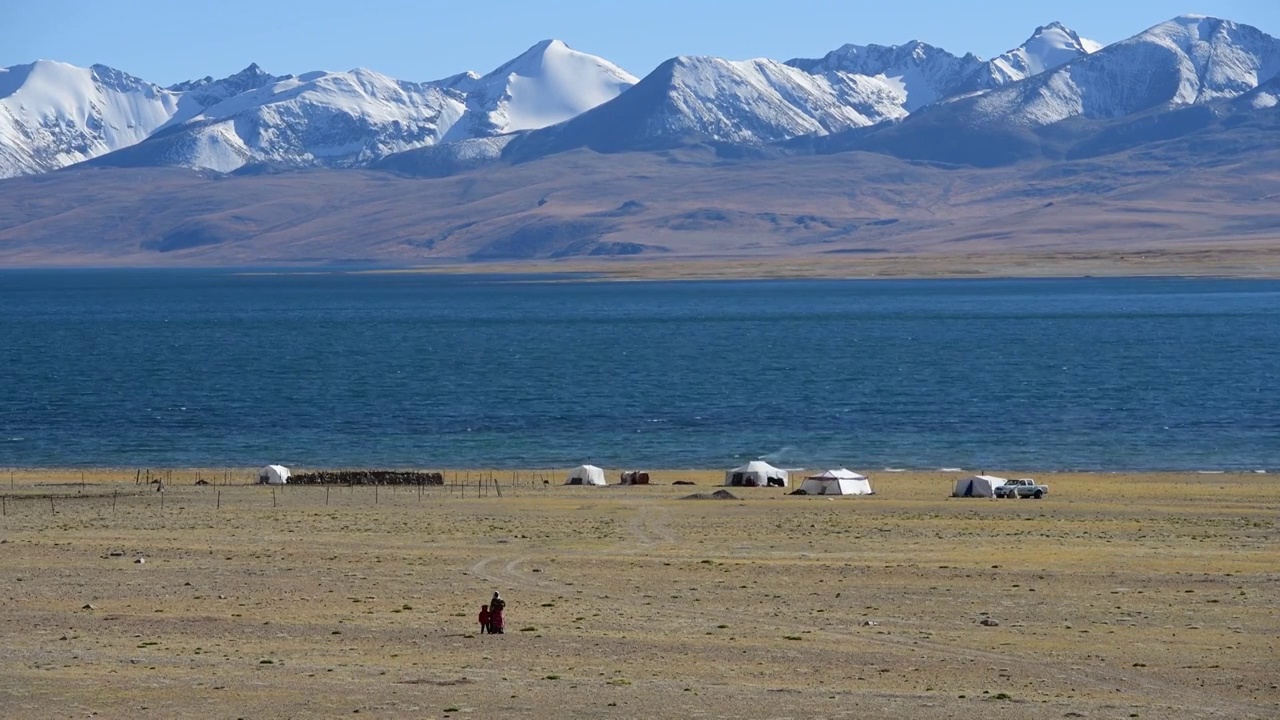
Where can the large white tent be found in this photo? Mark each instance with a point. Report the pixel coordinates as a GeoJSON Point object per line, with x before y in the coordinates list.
{"type": "Point", "coordinates": [756, 473]}
{"type": "Point", "coordinates": [837, 482]}
{"type": "Point", "coordinates": [585, 475]}
{"type": "Point", "coordinates": [273, 475]}
{"type": "Point", "coordinates": [977, 486]}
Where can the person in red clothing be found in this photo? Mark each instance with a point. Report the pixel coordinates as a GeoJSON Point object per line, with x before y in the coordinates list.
{"type": "Point", "coordinates": [496, 606]}
{"type": "Point", "coordinates": [484, 619]}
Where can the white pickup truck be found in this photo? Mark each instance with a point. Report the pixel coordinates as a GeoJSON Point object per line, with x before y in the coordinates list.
{"type": "Point", "coordinates": [1021, 488]}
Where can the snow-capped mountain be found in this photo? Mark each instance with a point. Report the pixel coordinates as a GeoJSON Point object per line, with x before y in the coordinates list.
{"type": "Point", "coordinates": [324, 118]}
{"type": "Point", "coordinates": [755, 102]}
{"type": "Point", "coordinates": [207, 92]}
{"type": "Point", "coordinates": [345, 119]}
{"type": "Point", "coordinates": [547, 84]}
{"type": "Point", "coordinates": [748, 102]}
{"type": "Point", "coordinates": [53, 114]}
{"type": "Point", "coordinates": [1051, 46]}
{"type": "Point", "coordinates": [552, 98]}
{"type": "Point", "coordinates": [1188, 60]}
{"type": "Point", "coordinates": [920, 73]}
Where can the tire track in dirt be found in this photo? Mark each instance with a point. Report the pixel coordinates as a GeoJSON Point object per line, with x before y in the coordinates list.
{"type": "Point", "coordinates": [509, 573]}
{"type": "Point", "coordinates": [649, 527]}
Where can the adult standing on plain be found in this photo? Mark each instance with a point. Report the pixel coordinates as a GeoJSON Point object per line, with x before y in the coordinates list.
{"type": "Point", "coordinates": [496, 606]}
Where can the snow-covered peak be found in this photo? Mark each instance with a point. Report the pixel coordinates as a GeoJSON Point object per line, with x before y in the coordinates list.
{"type": "Point", "coordinates": [1050, 46]}
{"type": "Point", "coordinates": [1215, 58]}
{"type": "Point", "coordinates": [57, 83]}
{"type": "Point", "coordinates": [53, 114]}
{"type": "Point", "coordinates": [1188, 60]}
{"type": "Point", "coordinates": [546, 84]}
{"type": "Point", "coordinates": [317, 118]}
{"type": "Point", "coordinates": [463, 82]}
{"type": "Point", "coordinates": [921, 72]}
{"type": "Point", "coordinates": [762, 100]}
{"type": "Point", "coordinates": [197, 95]}
{"type": "Point", "coordinates": [250, 78]}
{"type": "Point", "coordinates": [692, 99]}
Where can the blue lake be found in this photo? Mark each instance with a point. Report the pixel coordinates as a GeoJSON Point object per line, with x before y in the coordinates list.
{"type": "Point", "coordinates": [208, 368]}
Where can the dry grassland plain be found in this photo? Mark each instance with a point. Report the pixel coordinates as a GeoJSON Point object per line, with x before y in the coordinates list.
{"type": "Point", "coordinates": [1118, 596]}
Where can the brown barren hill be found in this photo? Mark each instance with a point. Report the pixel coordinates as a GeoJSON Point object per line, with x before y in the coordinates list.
{"type": "Point", "coordinates": [659, 213]}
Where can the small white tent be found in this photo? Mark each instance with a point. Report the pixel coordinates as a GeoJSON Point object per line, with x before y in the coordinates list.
{"type": "Point", "coordinates": [756, 473]}
{"type": "Point", "coordinates": [273, 475]}
{"type": "Point", "coordinates": [585, 475]}
{"type": "Point", "coordinates": [837, 482]}
{"type": "Point", "coordinates": [977, 486]}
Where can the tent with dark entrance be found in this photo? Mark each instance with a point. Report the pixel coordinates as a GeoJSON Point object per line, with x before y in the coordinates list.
{"type": "Point", "coordinates": [977, 486]}
{"type": "Point", "coordinates": [585, 475]}
{"type": "Point", "coordinates": [273, 475]}
{"type": "Point", "coordinates": [837, 482]}
{"type": "Point", "coordinates": [756, 473]}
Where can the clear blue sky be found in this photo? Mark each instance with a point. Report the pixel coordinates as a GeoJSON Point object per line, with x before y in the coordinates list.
{"type": "Point", "coordinates": [166, 41]}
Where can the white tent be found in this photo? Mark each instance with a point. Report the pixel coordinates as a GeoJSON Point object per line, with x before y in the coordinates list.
{"type": "Point", "coordinates": [977, 486]}
{"type": "Point", "coordinates": [273, 475]}
{"type": "Point", "coordinates": [837, 482]}
{"type": "Point", "coordinates": [756, 473]}
{"type": "Point", "coordinates": [585, 475]}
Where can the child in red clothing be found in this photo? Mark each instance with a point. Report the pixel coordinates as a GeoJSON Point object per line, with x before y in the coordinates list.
{"type": "Point", "coordinates": [484, 619]}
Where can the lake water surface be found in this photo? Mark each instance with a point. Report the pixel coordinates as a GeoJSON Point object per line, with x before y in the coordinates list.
{"type": "Point", "coordinates": [211, 368]}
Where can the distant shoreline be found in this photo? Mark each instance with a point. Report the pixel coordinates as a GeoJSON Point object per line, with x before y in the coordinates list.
{"type": "Point", "coordinates": [1260, 261]}
{"type": "Point", "coordinates": [1253, 262]}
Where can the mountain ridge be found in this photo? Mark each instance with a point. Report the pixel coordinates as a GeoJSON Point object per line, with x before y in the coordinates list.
{"type": "Point", "coordinates": [1166, 138]}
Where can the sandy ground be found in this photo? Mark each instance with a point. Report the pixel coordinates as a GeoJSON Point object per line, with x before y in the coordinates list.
{"type": "Point", "coordinates": [1118, 596]}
